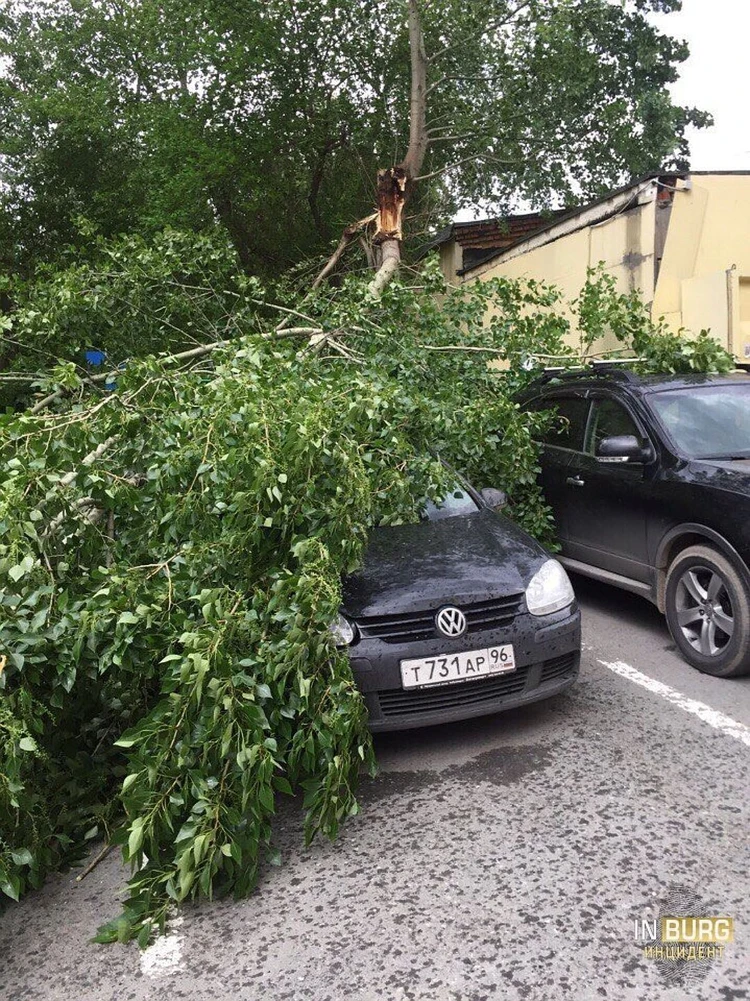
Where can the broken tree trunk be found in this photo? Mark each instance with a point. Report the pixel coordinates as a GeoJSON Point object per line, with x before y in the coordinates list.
{"type": "Point", "coordinates": [388, 234]}
{"type": "Point", "coordinates": [391, 197]}
{"type": "Point", "coordinates": [395, 183]}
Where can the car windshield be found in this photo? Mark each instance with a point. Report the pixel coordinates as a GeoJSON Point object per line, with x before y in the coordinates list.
{"type": "Point", "coordinates": [456, 502]}
{"type": "Point", "coordinates": [707, 422]}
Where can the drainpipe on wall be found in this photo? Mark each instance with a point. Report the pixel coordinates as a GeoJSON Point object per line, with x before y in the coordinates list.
{"type": "Point", "coordinates": [732, 308]}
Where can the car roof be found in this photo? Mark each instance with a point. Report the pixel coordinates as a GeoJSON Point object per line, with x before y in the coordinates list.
{"type": "Point", "coordinates": [602, 377]}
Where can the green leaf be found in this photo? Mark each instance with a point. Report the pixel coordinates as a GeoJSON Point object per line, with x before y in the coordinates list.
{"type": "Point", "coordinates": [282, 785]}
{"type": "Point", "coordinates": [265, 797]}
{"type": "Point", "coordinates": [135, 838]}
{"type": "Point", "coordinates": [144, 936]}
{"type": "Point", "coordinates": [186, 832]}
{"type": "Point", "coordinates": [11, 887]}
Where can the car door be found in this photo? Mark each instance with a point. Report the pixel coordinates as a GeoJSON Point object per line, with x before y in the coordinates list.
{"type": "Point", "coordinates": [607, 517]}
{"type": "Point", "coordinates": [560, 443]}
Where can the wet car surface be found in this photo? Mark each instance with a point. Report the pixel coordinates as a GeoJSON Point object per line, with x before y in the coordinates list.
{"type": "Point", "coordinates": [470, 560]}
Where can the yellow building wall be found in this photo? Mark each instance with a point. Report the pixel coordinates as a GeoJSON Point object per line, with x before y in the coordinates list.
{"type": "Point", "coordinates": [704, 276]}
{"type": "Point", "coordinates": [623, 243]}
{"type": "Point", "coordinates": [703, 305]}
{"type": "Point", "coordinates": [451, 260]}
{"type": "Point", "coordinates": [742, 319]}
{"type": "Point", "coordinates": [706, 261]}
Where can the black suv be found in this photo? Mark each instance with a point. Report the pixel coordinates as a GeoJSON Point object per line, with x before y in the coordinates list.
{"type": "Point", "coordinates": [649, 481]}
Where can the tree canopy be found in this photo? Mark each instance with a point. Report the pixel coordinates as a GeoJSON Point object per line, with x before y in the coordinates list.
{"type": "Point", "coordinates": [271, 118]}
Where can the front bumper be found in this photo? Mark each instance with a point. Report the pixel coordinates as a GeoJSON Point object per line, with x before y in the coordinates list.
{"type": "Point", "coordinates": [548, 654]}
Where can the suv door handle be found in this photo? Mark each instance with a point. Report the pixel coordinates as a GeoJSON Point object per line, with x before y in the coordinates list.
{"type": "Point", "coordinates": [575, 481]}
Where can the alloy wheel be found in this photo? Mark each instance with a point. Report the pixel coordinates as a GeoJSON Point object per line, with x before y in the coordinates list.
{"type": "Point", "coordinates": [704, 610]}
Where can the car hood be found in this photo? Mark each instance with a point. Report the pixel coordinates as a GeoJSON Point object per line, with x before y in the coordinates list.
{"type": "Point", "coordinates": [452, 560]}
{"type": "Point", "coordinates": [724, 474]}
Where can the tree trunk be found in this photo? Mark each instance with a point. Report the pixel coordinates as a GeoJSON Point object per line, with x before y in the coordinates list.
{"type": "Point", "coordinates": [236, 226]}
{"type": "Point", "coordinates": [395, 183]}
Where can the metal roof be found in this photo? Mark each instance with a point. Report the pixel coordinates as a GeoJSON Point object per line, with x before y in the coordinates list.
{"type": "Point", "coordinates": [566, 216]}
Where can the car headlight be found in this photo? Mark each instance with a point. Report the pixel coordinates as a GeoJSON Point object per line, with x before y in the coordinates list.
{"type": "Point", "coordinates": [342, 630]}
{"type": "Point", "coordinates": [549, 589]}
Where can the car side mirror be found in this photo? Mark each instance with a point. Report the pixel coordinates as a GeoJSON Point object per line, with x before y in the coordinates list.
{"type": "Point", "coordinates": [623, 448]}
{"type": "Point", "coordinates": [494, 498]}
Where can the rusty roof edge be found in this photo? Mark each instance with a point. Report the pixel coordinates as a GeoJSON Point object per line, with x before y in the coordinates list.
{"type": "Point", "coordinates": [468, 223]}
{"type": "Point", "coordinates": [581, 210]}
{"type": "Point", "coordinates": [449, 232]}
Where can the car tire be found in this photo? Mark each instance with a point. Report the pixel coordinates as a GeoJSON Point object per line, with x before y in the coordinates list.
{"type": "Point", "coordinates": [707, 605]}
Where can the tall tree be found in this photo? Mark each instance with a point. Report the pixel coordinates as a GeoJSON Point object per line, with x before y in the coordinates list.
{"type": "Point", "coordinates": [272, 118]}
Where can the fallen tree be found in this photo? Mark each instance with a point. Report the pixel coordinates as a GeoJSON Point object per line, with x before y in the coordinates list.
{"type": "Point", "coordinates": [182, 653]}
{"type": "Point", "coordinates": [175, 531]}
{"type": "Point", "coordinates": [170, 657]}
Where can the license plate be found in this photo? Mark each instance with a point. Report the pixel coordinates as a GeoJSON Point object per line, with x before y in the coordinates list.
{"type": "Point", "coordinates": [446, 669]}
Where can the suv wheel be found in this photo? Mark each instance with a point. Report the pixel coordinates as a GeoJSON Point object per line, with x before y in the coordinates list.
{"type": "Point", "coordinates": [708, 612]}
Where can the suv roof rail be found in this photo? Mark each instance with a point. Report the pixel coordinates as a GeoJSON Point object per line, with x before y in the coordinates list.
{"type": "Point", "coordinates": [608, 362]}
{"type": "Point", "coordinates": [610, 368]}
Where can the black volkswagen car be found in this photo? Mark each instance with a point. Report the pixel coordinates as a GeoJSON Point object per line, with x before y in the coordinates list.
{"type": "Point", "coordinates": [459, 615]}
{"type": "Point", "coordinates": [649, 481]}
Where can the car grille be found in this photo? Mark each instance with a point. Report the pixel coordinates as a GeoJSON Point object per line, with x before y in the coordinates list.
{"type": "Point", "coordinates": [400, 702]}
{"type": "Point", "coordinates": [413, 702]}
{"type": "Point", "coordinates": [410, 627]}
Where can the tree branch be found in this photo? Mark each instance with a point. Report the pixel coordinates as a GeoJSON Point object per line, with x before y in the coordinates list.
{"type": "Point", "coordinates": [499, 22]}
{"type": "Point", "coordinates": [317, 180]}
{"type": "Point", "coordinates": [463, 76]}
{"type": "Point", "coordinates": [367, 250]}
{"type": "Point", "coordinates": [346, 238]}
{"type": "Point", "coordinates": [453, 138]}
{"type": "Point", "coordinates": [198, 352]}
{"type": "Point", "coordinates": [458, 163]}
{"type": "Point", "coordinates": [458, 347]}
{"type": "Point", "coordinates": [104, 376]}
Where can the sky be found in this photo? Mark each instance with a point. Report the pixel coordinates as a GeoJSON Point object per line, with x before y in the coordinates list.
{"type": "Point", "coordinates": [714, 78]}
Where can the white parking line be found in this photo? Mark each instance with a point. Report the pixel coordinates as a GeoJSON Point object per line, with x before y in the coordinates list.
{"type": "Point", "coordinates": [165, 955]}
{"type": "Point", "coordinates": [713, 717]}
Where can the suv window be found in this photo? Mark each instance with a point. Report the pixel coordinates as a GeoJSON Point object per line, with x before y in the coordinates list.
{"type": "Point", "coordinates": [567, 431]}
{"type": "Point", "coordinates": [608, 420]}
{"type": "Point", "coordinates": [707, 421]}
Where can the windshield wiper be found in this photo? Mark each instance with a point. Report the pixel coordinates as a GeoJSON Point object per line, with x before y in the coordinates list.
{"type": "Point", "coordinates": [726, 458]}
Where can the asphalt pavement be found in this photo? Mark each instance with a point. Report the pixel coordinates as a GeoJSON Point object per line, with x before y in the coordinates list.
{"type": "Point", "coordinates": [502, 858]}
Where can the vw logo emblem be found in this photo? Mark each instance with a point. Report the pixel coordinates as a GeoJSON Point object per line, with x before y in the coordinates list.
{"type": "Point", "coordinates": [451, 621]}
